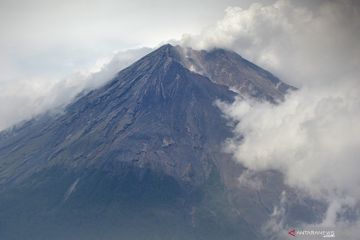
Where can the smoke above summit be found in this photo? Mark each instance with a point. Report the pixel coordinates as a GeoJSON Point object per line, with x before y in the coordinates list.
{"type": "Point", "coordinates": [294, 41]}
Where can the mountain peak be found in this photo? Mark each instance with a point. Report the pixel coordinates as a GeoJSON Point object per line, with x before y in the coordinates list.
{"type": "Point", "coordinates": [165, 47]}
{"type": "Point", "coordinates": [221, 66]}
{"type": "Point", "coordinates": [165, 52]}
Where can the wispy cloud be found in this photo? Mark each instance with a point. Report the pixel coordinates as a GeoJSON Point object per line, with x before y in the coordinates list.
{"type": "Point", "coordinates": [23, 98]}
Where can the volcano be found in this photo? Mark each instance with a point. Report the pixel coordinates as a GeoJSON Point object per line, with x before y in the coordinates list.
{"type": "Point", "coordinates": [140, 157]}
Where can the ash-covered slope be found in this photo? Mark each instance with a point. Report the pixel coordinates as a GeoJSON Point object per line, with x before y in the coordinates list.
{"type": "Point", "coordinates": [230, 69]}
{"type": "Point", "coordinates": [139, 158]}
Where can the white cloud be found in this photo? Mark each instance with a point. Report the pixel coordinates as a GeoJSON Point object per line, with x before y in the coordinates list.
{"type": "Point", "coordinates": [22, 99]}
{"type": "Point", "coordinates": [313, 137]}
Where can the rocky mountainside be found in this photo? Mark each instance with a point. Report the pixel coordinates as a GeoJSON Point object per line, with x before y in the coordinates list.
{"type": "Point", "coordinates": [140, 157]}
{"type": "Point", "coordinates": [230, 69]}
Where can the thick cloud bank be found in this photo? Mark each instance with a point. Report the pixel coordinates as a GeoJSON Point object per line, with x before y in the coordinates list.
{"type": "Point", "coordinates": [313, 137]}
{"type": "Point", "coordinates": [23, 99]}
{"type": "Point", "coordinates": [312, 43]}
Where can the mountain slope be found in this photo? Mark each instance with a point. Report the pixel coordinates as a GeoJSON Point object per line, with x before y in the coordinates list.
{"type": "Point", "coordinates": [230, 69]}
{"type": "Point", "coordinates": [139, 158]}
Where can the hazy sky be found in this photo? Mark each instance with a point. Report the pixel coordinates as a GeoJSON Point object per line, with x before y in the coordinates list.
{"type": "Point", "coordinates": [53, 38]}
